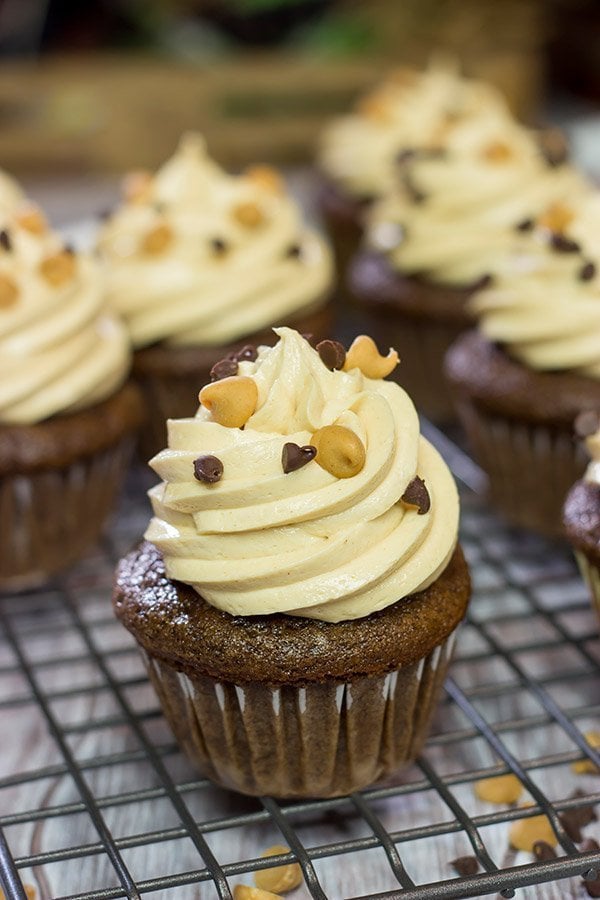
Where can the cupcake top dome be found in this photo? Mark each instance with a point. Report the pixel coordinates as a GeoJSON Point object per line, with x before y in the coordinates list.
{"type": "Point", "coordinates": [453, 215]}
{"type": "Point", "coordinates": [544, 308]}
{"type": "Point", "coordinates": [411, 109]}
{"type": "Point", "coordinates": [196, 256]}
{"type": "Point", "coordinates": [303, 486]}
{"type": "Point", "coordinates": [60, 350]}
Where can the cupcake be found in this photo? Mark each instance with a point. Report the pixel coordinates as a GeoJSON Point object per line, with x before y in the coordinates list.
{"type": "Point", "coordinates": [299, 589]}
{"type": "Point", "coordinates": [359, 153]}
{"type": "Point", "coordinates": [581, 513]}
{"type": "Point", "coordinates": [66, 416]}
{"type": "Point", "coordinates": [521, 379]}
{"type": "Point", "coordinates": [201, 264]}
{"type": "Point", "coordinates": [444, 232]}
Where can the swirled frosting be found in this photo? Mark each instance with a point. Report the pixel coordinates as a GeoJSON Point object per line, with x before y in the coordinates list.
{"type": "Point", "coordinates": [453, 215]}
{"type": "Point", "coordinates": [410, 109]}
{"type": "Point", "coordinates": [202, 257]}
{"type": "Point", "coordinates": [544, 307]}
{"type": "Point", "coordinates": [304, 543]}
{"type": "Point", "coordinates": [59, 349]}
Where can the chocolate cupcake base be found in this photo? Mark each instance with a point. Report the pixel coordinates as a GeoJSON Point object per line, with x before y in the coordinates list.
{"type": "Point", "coordinates": [58, 483]}
{"type": "Point", "coordinates": [170, 377]}
{"type": "Point", "coordinates": [420, 319]}
{"type": "Point", "coordinates": [288, 706]}
{"type": "Point", "coordinates": [519, 424]}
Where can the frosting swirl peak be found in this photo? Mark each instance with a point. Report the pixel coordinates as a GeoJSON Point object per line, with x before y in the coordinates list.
{"type": "Point", "coordinates": [303, 540]}
{"type": "Point", "coordinates": [200, 257]}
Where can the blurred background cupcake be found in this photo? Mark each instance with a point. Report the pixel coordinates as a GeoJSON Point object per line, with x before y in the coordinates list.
{"type": "Point", "coordinates": [520, 380]}
{"type": "Point", "coordinates": [200, 263]}
{"type": "Point", "coordinates": [445, 231]}
{"type": "Point", "coordinates": [581, 513]}
{"type": "Point", "coordinates": [67, 417]}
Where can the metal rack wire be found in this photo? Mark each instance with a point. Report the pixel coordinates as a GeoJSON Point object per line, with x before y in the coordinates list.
{"type": "Point", "coordinates": [85, 825]}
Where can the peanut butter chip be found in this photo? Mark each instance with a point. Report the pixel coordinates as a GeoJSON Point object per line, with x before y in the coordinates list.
{"type": "Point", "coordinates": [231, 401]}
{"type": "Point", "coordinates": [59, 268]}
{"type": "Point", "coordinates": [497, 152]}
{"type": "Point", "coordinates": [136, 185]}
{"type": "Point", "coordinates": [501, 789]}
{"type": "Point", "coordinates": [32, 220]}
{"type": "Point", "coordinates": [339, 451]}
{"type": "Point", "coordinates": [266, 177]}
{"type": "Point", "coordinates": [364, 355]}
{"type": "Point", "coordinates": [8, 292]}
{"type": "Point", "coordinates": [524, 833]}
{"type": "Point", "coordinates": [586, 766]}
{"type": "Point", "coordinates": [250, 215]}
{"type": "Point", "coordinates": [556, 218]}
{"type": "Point", "coordinates": [416, 494]}
{"type": "Point", "coordinates": [245, 892]}
{"type": "Point", "coordinates": [157, 239]}
{"type": "Point", "coordinates": [279, 879]}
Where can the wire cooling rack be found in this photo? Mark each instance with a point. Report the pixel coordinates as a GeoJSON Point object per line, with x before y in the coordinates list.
{"type": "Point", "coordinates": [96, 802]}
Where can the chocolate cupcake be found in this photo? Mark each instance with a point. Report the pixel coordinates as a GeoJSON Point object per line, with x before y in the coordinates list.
{"type": "Point", "coordinates": [443, 233]}
{"type": "Point", "coordinates": [581, 513]}
{"type": "Point", "coordinates": [298, 594]}
{"type": "Point", "coordinates": [520, 381]}
{"type": "Point", "coordinates": [200, 264]}
{"type": "Point", "coordinates": [361, 154]}
{"type": "Point", "coordinates": [66, 417]}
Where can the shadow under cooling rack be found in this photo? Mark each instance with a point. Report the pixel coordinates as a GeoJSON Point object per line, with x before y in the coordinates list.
{"type": "Point", "coordinates": [100, 803]}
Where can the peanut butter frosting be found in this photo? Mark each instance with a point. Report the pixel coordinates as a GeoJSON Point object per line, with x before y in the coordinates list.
{"type": "Point", "coordinates": [327, 503]}
{"type": "Point", "coordinates": [59, 349]}
{"type": "Point", "coordinates": [544, 308]}
{"type": "Point", "coordinates": [200, 257]}
{"type": "Point", "coordinates": [411, 109]}
{"type": "Point", "coordinates": [453, 215]}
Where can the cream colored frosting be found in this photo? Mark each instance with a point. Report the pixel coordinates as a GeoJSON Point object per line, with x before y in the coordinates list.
{"type": "Point", "coordinates": [489, 177]}
{"type": "Point", "coordinates": [11, 194]}
{"type": "Point", "coordinates": [190, 294]}
{"type": "Point", "coordinates": [304, 543]}
{"type": "Point", "coordinates": [411, 109]}
{"type": "Point", "coordinates": [59, 350]}
{"type": "Point", "coordinates": [541, 309]}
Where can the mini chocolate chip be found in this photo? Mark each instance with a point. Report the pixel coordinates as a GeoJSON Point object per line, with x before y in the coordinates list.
{"type": "Point", "coordinates": [554, 147]}
{"type": "Point", "coordinates": [592, 888]}
{"type": "Point", "coordinates": [70, 249]}
{"type": "Point", "coordinates": [587, 423]}
{"type": "Point", "coordinates": [465, 865]}
{"type": "Point", "coordinates": [208, 469]}
{"type": "Point", "coordinates": [248, 353]}
{"type": "Point", "coordinates": [542, 851]}
{"type": "Point", "coordinates": [588, 845]}
{"type": "Point", "coordinates": [482, 282]}
{"type": "Point", "coordinates": [406, 155]}
{"type": "Point", "coordinates": [332, 353]}
{"type": "Point", "coordinates": [416, 494]}
{"type": "Point", "coordinates": [5, 241]}
{"type": "Point", "coordinates": [104, 214]}
{"type": "Point", "coordinates": [573, 820]}
{"type": "Point", "coordinates": [294, 457]}
{"type": "Point", "coordinates": [294, 251]}
{"type": "Point", "coordinates": [587, 271]}
{"type": "Point", "coordinates": [218, 246]}
{"type": "Point", "coordinates": [525, 225]}
{"type": "Point", "coordinates": [225, 368]}
{"type": "Point", "coordinates": [562, 244]}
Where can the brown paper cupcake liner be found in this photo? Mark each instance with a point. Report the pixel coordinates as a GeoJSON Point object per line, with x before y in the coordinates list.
{"type": "Point", "coordinates": [591, 575]}
{"type": "Point", "coordinates": [320, 740]}
{"type": "Point", "coordinates": [531, 466]}
{"type": "Point", "coordinates": [51, 516]}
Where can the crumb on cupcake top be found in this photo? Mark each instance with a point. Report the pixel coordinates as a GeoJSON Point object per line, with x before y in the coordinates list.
{"type": "Point", "coordinates": [303, 486]}
{"type": "Point", "coordinates": [196, 256]}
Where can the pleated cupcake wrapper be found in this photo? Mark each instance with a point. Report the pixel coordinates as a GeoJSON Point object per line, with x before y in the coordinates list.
{"type": "Point", "coordinates": [591, 575]}
{"type": "Point", "coordinates": [531, 467]}
{"type": "Point", "coordinates": [51, 517]}
{"type": "Point", "coordinates": [321, 740]}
